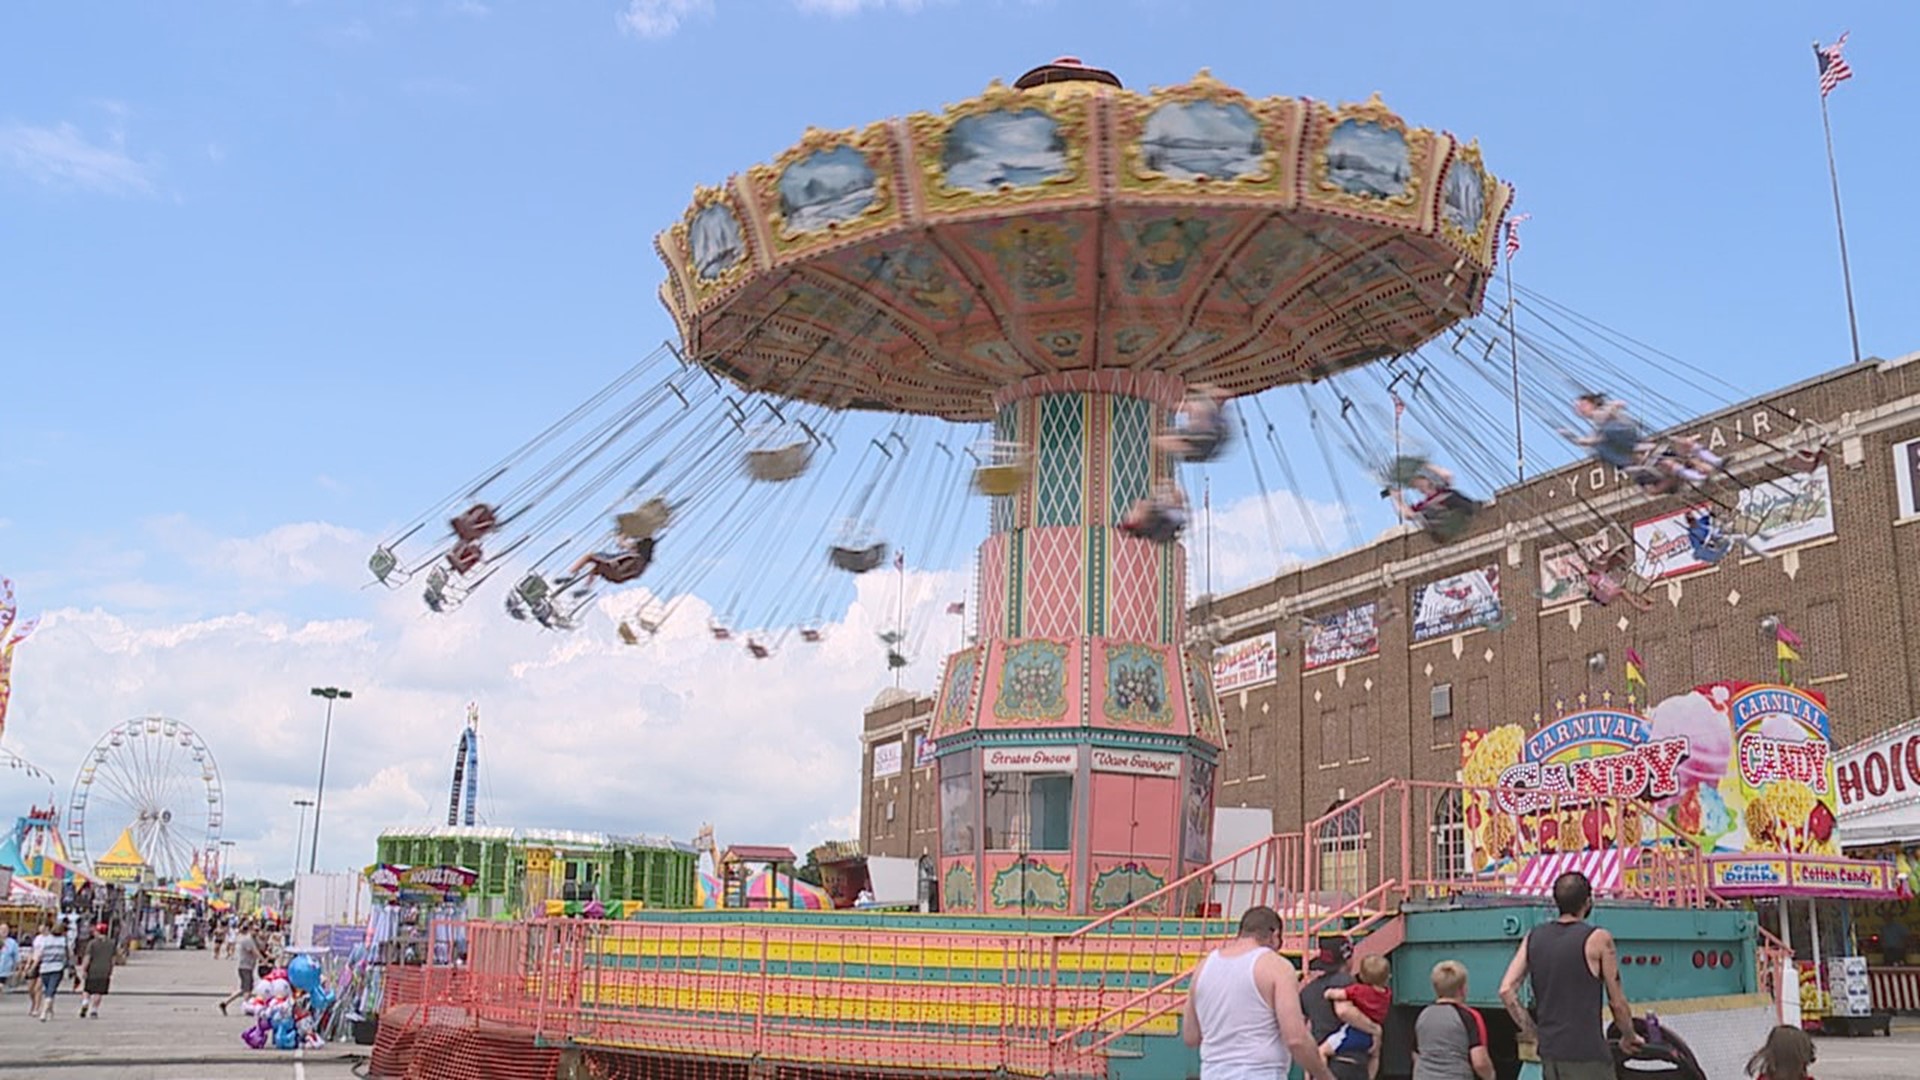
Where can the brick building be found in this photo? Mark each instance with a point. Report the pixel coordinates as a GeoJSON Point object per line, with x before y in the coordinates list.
{"type": "Point", "coordinates": [1309, 728]}
{"type": "Point", "coordinates": [898, 813]}
{"type": "Point", "coordinates": [1315, 718]}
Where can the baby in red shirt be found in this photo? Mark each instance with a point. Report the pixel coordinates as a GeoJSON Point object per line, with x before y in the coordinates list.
{"type": "Point", "coordinates": [1373, 997]}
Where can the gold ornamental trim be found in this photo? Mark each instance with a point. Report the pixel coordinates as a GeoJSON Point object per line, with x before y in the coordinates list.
{"type": "Point", "coordinates": [1277, 121]}
{"type": "Point", "coordinates": [802, 233]}
{"type": "Point", "coordinates": [1325, 188]}
{"type": "Point", "coordinates": [933, 137]}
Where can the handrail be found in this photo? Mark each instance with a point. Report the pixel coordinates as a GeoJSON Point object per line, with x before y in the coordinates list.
{"type": "Point", "coordinates": [1375, 896]}
{"type": "Point", "coordinates": [1131, 910]}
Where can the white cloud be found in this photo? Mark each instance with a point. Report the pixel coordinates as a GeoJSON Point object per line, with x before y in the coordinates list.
{"type": "Point", "coordinates": [65, 155]}
{"type": "Point", "coordinates": [1251, 543]}
{"type": "Point", "coordinates": [579, 731]}
{"type": "Point", "coordinates": [659, 18]}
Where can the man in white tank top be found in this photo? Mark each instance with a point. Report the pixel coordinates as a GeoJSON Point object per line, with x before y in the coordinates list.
{"type": "Point", "coordinates": [1243, 1009]}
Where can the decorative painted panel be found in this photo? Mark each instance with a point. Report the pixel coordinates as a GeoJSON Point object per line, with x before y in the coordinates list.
{"type": "Point", "coordinates": [1118, 882]}
{"type": "Point", "coordinates": [959, 892]}
{"type": "Point", "coordinates": [959, 689]}
{"type": "Point", "coordinates": [1133, 687]}
{"type": "Point", "coordinates": [1203, 706]}
{"type": "Point", "coordinates": [1036, 683]}
{"type": "Point", "coordinates": [1033, 884]}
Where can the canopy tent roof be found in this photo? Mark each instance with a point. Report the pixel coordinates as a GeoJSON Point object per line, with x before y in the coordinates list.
{"type": "Point", "coordinates": [123, 852]}
{"type": "Point", "coordinates": [1896, 824]}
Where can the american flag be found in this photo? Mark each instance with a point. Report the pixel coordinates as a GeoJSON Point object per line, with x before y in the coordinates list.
{"type": "Point", "coordinates": [1834, 68]}
{"type": "Point", "coordinates": [1513, 233]}
{"type": "Point", "coordinates": [900, 560]}
{"type": "Point", "coordinates": [958, 607]}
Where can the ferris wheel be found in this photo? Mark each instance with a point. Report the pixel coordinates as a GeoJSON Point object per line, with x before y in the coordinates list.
{"type": "Point", "coordinates": [156, 779]}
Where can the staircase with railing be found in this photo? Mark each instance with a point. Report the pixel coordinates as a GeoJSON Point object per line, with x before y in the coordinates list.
{"type": "Point", "coordinates": [1348, 872]}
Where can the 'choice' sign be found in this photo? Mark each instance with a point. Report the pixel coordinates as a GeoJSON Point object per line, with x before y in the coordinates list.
{"type": "Point", "coordinates": [1884, 771]}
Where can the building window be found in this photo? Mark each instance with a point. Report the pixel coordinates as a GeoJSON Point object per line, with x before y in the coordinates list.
{"type": "Point", "coordinates": [1029, 811]}
{"type": "Point", "coordinates": [1333, 740]}
{"type": "Point", "coordinates": [1343, 857]}
{"type": "Point", "coordinates": [1359, 732]}
{"type": "Point", "coordinates": [1479, 704]}
{"type": "Point", "coordinates": [957, 809]}
{"type": "Point", "coordinates": [1825, 652]}
{"type": "Point", "coordinates": [1449, 838]}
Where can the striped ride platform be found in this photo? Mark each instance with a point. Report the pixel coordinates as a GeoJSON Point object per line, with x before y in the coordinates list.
{"type": "Point", "coordinates": [872, 994]}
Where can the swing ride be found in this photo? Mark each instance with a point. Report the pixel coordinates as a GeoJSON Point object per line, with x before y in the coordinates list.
{"type": "Point", "coordinates": [1051, 296]}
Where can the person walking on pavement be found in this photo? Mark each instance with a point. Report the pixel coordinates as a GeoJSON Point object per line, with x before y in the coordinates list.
{"type": "Point", "coordinates": [51, 955]}
{"type": "Point", "coordinates": [1243, 1011]}
{"type": "Point", "coordinates": [96, 969]}
{"type": "Point", "coordinates": [1571, 964]}
{"type": "Point", "coordinates": [247, 955]}
{"type": "Point", "coordinates": [9, 959]}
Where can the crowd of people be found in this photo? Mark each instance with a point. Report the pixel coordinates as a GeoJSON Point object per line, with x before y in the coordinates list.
{"type": "Point", "coordinates": [1252, 1016]}
{"type": "Point", "coordinates": [81, 949]}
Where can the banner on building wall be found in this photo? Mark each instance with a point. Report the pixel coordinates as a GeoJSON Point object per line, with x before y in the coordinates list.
{"type": "Point", "coordinates": [1246, 663]}
{"type": "Point", "coordinates": [1341, 636]}
{"type": "Point", "coordinates": [1779, 514]}
{"type": "Point", "coordinates": [1457, 603]}
{"type": "Point", "coordinates": [1563, 570]}
{"type": "Point", "coordinates": [1906, 476]}
{"type": "Point", "coordinates": [1880, 773]}
{"type": "Point", "coordinates": [886, 759]}
{"type": "Point", "coordinates": [923, 751]}
{"type": "Point", "coordinates": [1736, 767]}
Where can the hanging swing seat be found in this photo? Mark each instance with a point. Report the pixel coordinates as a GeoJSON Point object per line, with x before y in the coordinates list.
{"type": "Point", "coordinates": [757, 650]}
{"type": "Point", "coordinates": [627, 634]}
{"type": "Point", "coordinates": [386, 567]}
{"type": "Point", "coordinates": [780, 464]}
{"type": "Point", "coordinates": [1612, 549]}
{"type": "Point", "coordinates": [1002, 480]}
{"type": "Point", "coordinates": [811, 635]}
{"type": "Point", "coordinates": [464, 557]}
{"type": "Point", "coordinates": [475, 522]}
{"type": "Point", "coordinates": [1448, 515]}
{"type": "Point", "coordinates": [719, 632]}
{"type": "Point", "coordinates": [896, 660]}
{"type": "Point", "coordinates": [1199, 431]}
{"type": "Point", "coordinates": [622, 567]}
{"type": "Point", "coordinates": [892, 637]}
{"type": "Point", "coordinates": [533, 590]}
{"type": "Point", "coordinates": [644, 520]}
{"type": "Point", "coordinates": [439, 593]}
{"type": "Point", "coordinates": [516, 607]}
{"type": "Point", "coordinates": [857, 560]}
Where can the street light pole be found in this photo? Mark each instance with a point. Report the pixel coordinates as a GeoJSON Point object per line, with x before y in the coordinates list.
{"type": "Point", "coordinates": [332, 694]}
{"type": "Point", "coordinates": [300, 833]}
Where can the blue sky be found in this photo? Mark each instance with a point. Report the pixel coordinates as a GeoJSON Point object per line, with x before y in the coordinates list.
{"type": "Point", "coordinates": [281, 273]}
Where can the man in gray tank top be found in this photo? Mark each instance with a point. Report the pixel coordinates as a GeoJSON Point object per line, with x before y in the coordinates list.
{"type": "Point", "coordinates": [1572, 965]}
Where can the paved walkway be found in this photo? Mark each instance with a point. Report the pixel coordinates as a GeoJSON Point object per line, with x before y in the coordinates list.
{"type": "Point", "coordinates": [160, 1023]}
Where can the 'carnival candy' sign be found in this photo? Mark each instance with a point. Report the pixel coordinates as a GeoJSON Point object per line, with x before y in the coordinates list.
{"type": "Point", "coordinates": [1735, 767]}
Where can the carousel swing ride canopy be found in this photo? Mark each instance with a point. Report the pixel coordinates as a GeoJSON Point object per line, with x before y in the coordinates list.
{"type": "Point", "coordinates": [1066, 224]}
{"type": "Point", "coordinates": [1060, 239]}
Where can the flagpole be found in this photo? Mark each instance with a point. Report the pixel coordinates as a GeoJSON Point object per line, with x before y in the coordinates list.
{"type": "Point", "coordinates": [1513, 341]}
{"type": "Point", "coordinates": [1840, 224]}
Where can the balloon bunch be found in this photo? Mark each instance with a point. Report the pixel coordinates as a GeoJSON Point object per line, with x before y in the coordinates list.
{"type": "Point", "coordinates": [287, 1006]}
